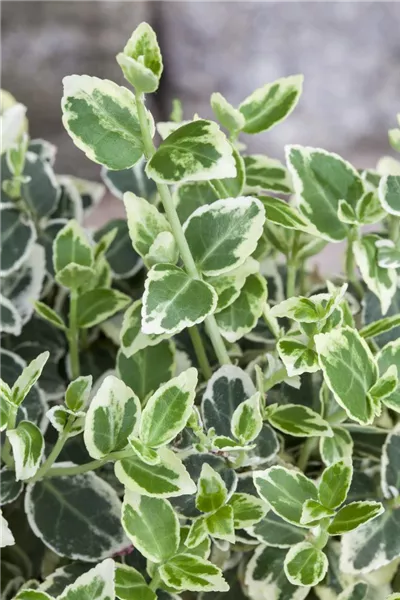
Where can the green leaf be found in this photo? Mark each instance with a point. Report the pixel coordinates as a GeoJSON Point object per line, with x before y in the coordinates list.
{"type": "Point", "coordinates": [17, 238]}
{"type": "Point", "coordinates": [297, 357]}
{"type": "Point", "coordinates": [373, 545]}
{"type": "Point", "coordinates": [356, 591]}
{"type": "Point", "coordinates": [281, 213]}
{"type": "Point", "coordinates": [229, 117]}
{"type": "Point", "coordinates": [247, 420]}
{"type": "Point", "coordinates": [335, 484]}
{"type": "Point", "coordinates": [95, 306]}
{"type": "Point", "coordinates": [389, 194]}
{"type": "Point", "coordinates": [265, 577]}
{"type": "Point", "coordinates": [131, 585]}
{"type": "Point", "coordinates": [349, 371]}
{"type": "Point", "coordinates": [190, 196]}
{"type": "Point", "coordinates": [247, 510]}
{"type": "Point", "coordinates": [220, 524]}
{"type": "Point", "coordinates": [168, 410]}
{"type": "Point", "coordinates": [71, 245]}
{"type": "Point", "coordinates": [347, 213]}
{"type": "Point", "coordinates": [152, 526]}
{"type": "Point", "coordinates": [336, 448]}
{"type": "Point", "coordinates": [274, 531]}
{"type": "Point", "coordinates": [163, 250]}
{"type": "Point", "coordinates": [313, 512]}
{"type": "Point", "coordinates": [241, 316]}
{"type": "Point", "coordinates": [85, 516]}
{"type": "Point", "coordinates": [59, 417]}
{"type": "Point", "coordinates": [141, 60]}
{"type": "Point", "coordinates": [387, 358]}
{"type": "Point", "coordinates": [138, 370]}
{"type": "Point", "coordinates": [10, 488]}
{"type": "Point", "coordinates": [380, 326]}
{"type": "Point", "coordinates": [211, 490]}
{"type": "Point", "coordinates": [191, 573]}
{"type": "Point", "coordinates": [385, 385]}
{"type": "Point", "coordinates": [382, 282]}
{"type": "Point", "coordinates": [299, 421]}
{"type": "Point", "coordinates": [28, 378]}
{"type": "Point", "coordinates": [173, 300]}
{"type": "Point", "coordinates": [97, 583]}
{"type": "Point", "coordinates": [229, 285]}
{"type": "Point", "coordinates": [145, 222]}
{"type": "Point", "coordinates": [226, 389]}
{"type": "Point", "coordinates": [353, 515]}
{"type": "Point", "coordinates": [27, 594]}
{"type": "Point", "coordinates": [143, 452]}
{"type": "Point", "coordinates": [305, 565]}
{"type": "Point", "coordinates": [320, 180]}
{"type": "Point", "coordinates": [49, 315]}
{"type": "Point", "coordinates": [10, 320]}
{"type": "Point", "coordinates": [41, 191]}
{"type": "Point", "coordinates": [166, 479]}
{"type": "Point", "coordinates": [197, 534]}
{"type": "Point", "coordinates": [271, 103]}
{"type": "Point", "coordinates": [7, 538]}
{"type": "Point", "coordinates": [196, 151]}
{"type": "Point", "coordinates": [101, 118]}
{"type": "Point", "coordinates": [390, 467]}
{"type": "Point", "coordinates": [285, 491]}
{"type": "Point", "coordinates": [121, 256]}
{"type": "Point", "coordinates": [388, 254]}
{"type": "Point", "coordinates": [222, 235]}
{"type": "Point", "coordinates": [131, 336]}
{"type": "Point", "coordinates": [113, 415]}
{"type": "Point", "coordinates": [266, 174]}
{"type": "Point", "coordinates": [56, 583]}
{"type": "Point", "coordinates": [78, 391]}
{"type": "Point", "coordinates": [132, 180]}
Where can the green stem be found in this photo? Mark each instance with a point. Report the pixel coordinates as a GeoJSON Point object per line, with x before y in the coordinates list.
{"type": "Point", "coordinates": [73, 335]}
{"type": "Point", "coordinates": [290, 279]}
{"type": "Point", "coordinates": [200, 352]}
{"type": "Point", "coordinates": [155, 582]}
{"type": "Point", "coordinates": [305, 453]}
{"type": "Point", "coordinates": [271, 322]}
{"type": "Point", "coordinates": [219, 187]}
{"type": "Point", "coordinates": [172, 216]}
{"type": "Point", "coordinates": [350, 264]}
{"type": "Point", "coordinates": [89, 466]}
{"type": "Point", "coordinates": [276, 378]}
{"type": "Point", "coordinates": [54, 454]}
{"type": "Point", "coordinates": [6, 454]}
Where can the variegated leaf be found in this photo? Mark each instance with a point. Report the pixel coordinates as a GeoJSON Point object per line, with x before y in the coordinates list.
{"type": "Point", "coordinates": [28, 448]}
{"type": "Point", "coordinates": [141, 60]}
{"type": "Point", "coordinates": [222, 235]}
{"type": "Point", "coordinates": [173, 300]}
{"type": "Point", "coordinates": [101, 118]}
{"type": "Point", "coordinates": [196, 151]}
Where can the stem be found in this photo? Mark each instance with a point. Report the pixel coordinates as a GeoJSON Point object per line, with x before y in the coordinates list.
{"type": "Point", "coordinates": [73, 335]}
{"type": "Point", "coordinates": [276, 378]}
{"type": "Point", "coordinates": [172, 216]}
{"type": "Point", "coordinates": [6, 450]}
{"type": "Point", "coordinates": [200, 352]}
{"type": "Point", "coordinates": [305, 453]}
{"type": "Point", "coordinates": [290, 279]}
{"type": "Point", "coordinates": [155, 582]}
{"type": "Point", "coordinates": [89, 466]}
{"type": "Point", "coordinates": [58, 446]}
{"type": "Point", "coordinates": [350, 263]}
{"type": "Point", "coordinates": [219, 188]}
{"type": "Point", "coordinates": [271, 322]}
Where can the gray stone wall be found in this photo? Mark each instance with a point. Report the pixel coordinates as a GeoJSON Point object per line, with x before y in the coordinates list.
{"type": "Point", "coordinates": [348, 52]}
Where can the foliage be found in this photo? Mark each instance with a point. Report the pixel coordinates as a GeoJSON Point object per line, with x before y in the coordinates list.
{"type": "Point", "coordinates": [187, 407]}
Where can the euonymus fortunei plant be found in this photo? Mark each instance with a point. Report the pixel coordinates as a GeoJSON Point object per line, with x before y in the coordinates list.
{"type": "Point", "coordinates": [187, 406]}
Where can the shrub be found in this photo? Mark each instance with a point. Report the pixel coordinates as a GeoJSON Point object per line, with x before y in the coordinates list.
{"type": "Point", "coordinates": [190, 361]}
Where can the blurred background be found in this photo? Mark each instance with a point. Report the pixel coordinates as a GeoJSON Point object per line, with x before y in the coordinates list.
{"type": "Point", "coordinates": [349, 53]}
